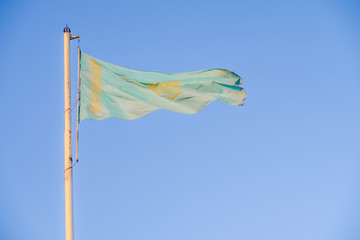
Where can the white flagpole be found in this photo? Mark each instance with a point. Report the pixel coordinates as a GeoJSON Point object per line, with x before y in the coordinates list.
{"type": "Point", "coordinates": [69, 226]}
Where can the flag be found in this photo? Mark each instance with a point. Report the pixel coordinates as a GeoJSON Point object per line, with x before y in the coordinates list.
{"type": "Point", "coordinates": [107, 90]}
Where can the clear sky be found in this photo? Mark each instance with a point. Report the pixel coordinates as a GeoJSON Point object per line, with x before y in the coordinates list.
{"type": "Point", "coordinates": [283, 167]}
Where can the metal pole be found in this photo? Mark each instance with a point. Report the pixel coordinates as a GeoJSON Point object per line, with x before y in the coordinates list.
{"type": "Point", "coordinates": [69, 227]}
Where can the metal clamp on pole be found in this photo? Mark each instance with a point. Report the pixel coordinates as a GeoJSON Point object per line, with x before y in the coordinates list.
{"type": "Point", "coordinates": [74, 37]}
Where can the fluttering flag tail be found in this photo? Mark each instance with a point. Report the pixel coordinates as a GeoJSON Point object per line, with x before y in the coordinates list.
{"type": "Point", "coordinates": [107, 90]}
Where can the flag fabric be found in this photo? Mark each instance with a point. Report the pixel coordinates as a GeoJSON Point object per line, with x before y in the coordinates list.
{"type": "Point", "coordinates": [107, 90]}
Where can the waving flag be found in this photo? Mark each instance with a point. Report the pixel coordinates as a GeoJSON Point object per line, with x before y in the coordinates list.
{"type": "Point", "coordinates": [107, 90]}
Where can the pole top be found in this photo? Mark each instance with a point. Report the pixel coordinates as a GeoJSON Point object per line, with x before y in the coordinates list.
{"type": "Point", "coordinates": [67, 29]}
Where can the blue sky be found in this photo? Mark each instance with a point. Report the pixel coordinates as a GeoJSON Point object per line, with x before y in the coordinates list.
{"type": "Point", "coordinates": [284, 166]}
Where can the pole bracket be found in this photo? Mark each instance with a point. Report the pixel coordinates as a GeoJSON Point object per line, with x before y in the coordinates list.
{"type": "Point", "coordinates": [74, 37]}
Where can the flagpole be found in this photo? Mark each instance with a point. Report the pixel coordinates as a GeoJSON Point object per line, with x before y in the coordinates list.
{"type": "Point", "coordinates": [69, 226]}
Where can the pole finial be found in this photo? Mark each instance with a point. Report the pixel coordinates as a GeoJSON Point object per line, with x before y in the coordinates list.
{"type": "Point", "coordinates": [67, 29]}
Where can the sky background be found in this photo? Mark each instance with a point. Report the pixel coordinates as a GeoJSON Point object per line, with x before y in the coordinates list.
{"type": "Point", "coordinates": [284, 166]}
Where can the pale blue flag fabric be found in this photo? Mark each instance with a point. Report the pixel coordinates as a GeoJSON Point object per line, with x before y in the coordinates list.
{"type": "Point", "coordinates": [107, 90]}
